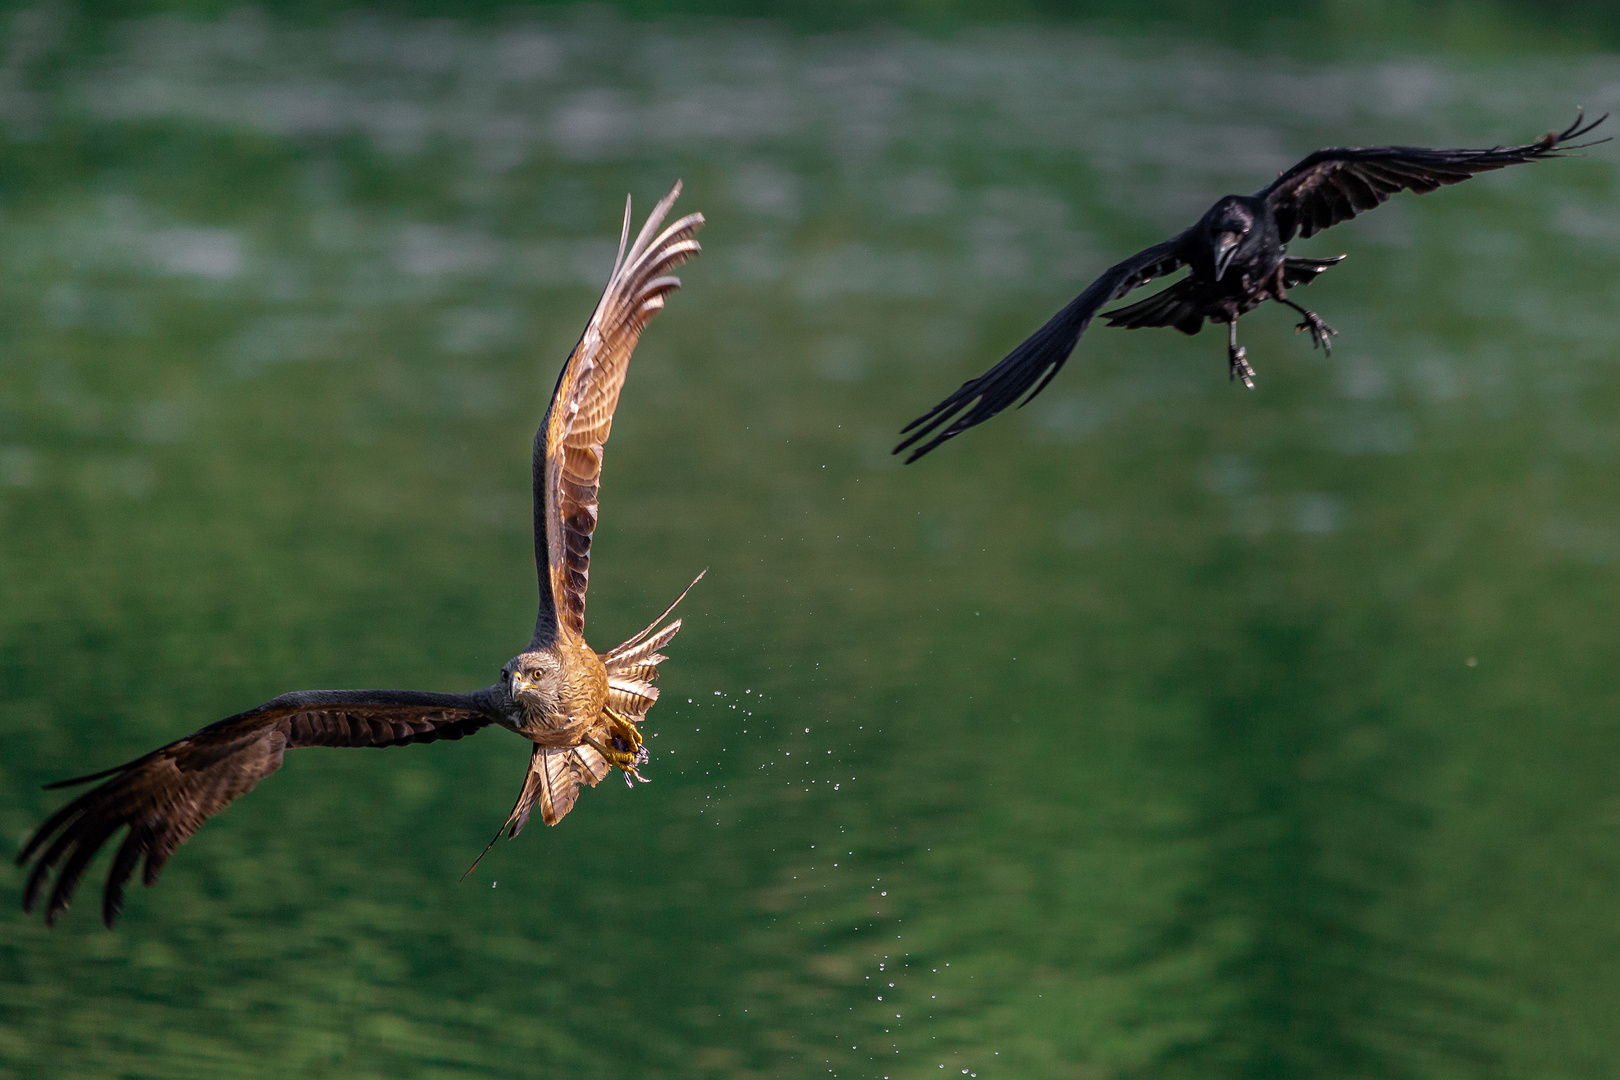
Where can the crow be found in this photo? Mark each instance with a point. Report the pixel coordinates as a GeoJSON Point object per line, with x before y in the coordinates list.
{"type": "Point", "coordinates": [1238, 258]}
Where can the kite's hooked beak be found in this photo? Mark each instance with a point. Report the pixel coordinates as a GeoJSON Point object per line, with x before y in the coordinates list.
{"type": "Point", "coordinates": [1226, 245]}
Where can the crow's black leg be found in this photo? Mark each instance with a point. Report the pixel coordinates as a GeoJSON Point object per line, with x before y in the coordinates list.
{"type": "Point", "coordinates": [1238, 358]}
{"type": "Point", "coordinates": [1321, 333]}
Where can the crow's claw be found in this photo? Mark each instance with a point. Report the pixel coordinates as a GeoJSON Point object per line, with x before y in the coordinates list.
{"type": "Point", "coordinates": [1321, 333]}
{"type": "Point", "coordinates": [1238, 359]}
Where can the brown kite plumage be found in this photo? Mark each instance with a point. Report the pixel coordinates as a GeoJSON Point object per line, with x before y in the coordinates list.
{"type": "Point", "coordinates": [579, 708]}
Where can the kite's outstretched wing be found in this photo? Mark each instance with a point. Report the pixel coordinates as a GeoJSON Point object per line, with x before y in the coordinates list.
{"type": "Point", "coordinates": [1335, 185]}
{"type": "Point", "coordinates": [568, 446]}
{"type": "Point", "coordinates": [165, 796]}
{"type": "Point", "coordinates": [1041, 355]}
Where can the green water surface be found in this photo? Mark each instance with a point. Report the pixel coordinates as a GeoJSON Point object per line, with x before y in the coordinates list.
{"type": "Point", "coordinates": [1160, 729]}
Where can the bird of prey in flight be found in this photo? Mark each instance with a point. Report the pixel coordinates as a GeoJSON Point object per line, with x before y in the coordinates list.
{"type": "Point", "coordinates": [1238, 258]}
{"type": "Point", "coordinates": [579, 708]}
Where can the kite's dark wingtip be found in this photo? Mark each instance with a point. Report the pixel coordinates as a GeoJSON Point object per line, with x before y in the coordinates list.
{"type": "Point", "coordinates": [77, 780]}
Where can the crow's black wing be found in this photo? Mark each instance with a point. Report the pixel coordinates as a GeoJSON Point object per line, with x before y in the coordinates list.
{"type": "Point", "coordinates": [1041, 355]}
{"type": "Point", "coordinates": [1335, 185]}
{"type": "Point", "coordinates": [1179, 306]}
{"type": "Point", "coordinates": [166, 795]}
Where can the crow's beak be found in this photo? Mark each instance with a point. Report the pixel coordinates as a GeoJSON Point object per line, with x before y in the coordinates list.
{"type": "Point", "coordinates": [1226, 246]}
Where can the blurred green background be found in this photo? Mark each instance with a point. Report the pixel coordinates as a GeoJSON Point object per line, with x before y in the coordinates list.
{"type": "Point", "coordinates": [1159, 729]}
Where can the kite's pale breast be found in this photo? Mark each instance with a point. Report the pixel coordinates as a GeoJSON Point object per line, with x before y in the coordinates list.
{"type": "Point", "coordinates": [584, 693]}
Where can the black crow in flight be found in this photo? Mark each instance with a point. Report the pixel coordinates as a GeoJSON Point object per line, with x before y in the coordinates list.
{"type": "Point", "coordinates": [1238, 257]}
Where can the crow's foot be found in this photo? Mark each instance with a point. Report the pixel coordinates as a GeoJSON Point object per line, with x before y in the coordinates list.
{"type": "Point", "coordinates": [1321, 333]}
{"type": "Point", "coordinates": [1238, 359]}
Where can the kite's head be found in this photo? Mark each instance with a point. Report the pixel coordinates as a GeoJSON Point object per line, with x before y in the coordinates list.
{"type": "Point", "coordinates": [534, 681]}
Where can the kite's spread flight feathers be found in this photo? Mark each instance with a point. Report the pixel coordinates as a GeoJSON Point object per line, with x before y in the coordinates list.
{"type": "Point", "coordinates": [568, 446]}
{"type": "Point", "coordinates": [165, 796]}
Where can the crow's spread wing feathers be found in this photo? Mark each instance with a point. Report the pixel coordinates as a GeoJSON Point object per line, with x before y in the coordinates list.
{"type": "Point", "coordinates": [1041, 355]}
{"type": "Point", "coordinates": [1335, 185]}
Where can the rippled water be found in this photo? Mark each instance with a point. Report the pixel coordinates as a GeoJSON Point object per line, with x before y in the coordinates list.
{"type": "Point", "coordinates": [1159, 728]}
